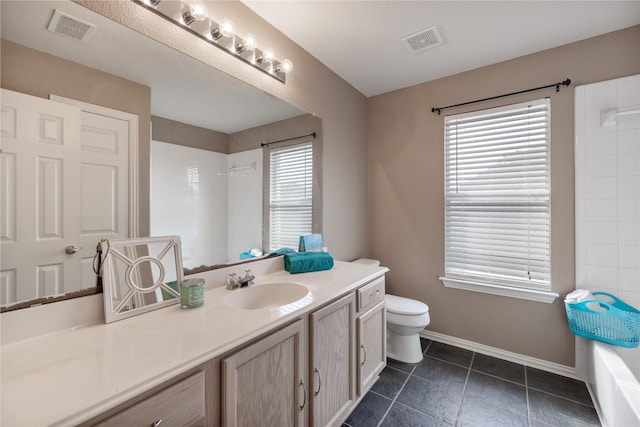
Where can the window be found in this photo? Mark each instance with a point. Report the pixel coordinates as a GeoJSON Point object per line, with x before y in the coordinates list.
{"type": "Point", "coordinates": [290, 194]}
{"type": "Point", "coordinates": [497, 198]}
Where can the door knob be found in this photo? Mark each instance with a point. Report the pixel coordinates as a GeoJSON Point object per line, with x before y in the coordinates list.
{"type": "Point", "coordinates": [70, 250]}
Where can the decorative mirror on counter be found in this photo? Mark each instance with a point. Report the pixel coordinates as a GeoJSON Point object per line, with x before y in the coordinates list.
{"type": "Point", "coordinates": [140, 275]}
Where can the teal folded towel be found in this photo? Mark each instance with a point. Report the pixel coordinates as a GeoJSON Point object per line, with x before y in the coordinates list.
{"type": "Point", "coordinates": [281, 251]}
{"type": "Point", "coordinates": [306, 262]}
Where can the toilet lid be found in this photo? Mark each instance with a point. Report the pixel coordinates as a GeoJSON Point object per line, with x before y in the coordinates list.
{"type": "Point", "coordinates": [406, 306]}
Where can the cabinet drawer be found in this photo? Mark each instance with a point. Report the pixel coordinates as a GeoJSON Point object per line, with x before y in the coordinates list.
{"type": "Point", "coordinates": [181, 404]}
{"type": "Point", "coordinates": [371, 293]}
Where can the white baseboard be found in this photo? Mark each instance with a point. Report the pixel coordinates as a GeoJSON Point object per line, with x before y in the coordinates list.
{"type": "Point", "coordinates": [533, 362]}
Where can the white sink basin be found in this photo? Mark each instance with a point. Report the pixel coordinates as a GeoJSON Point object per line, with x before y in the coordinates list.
{"type": "Point", "coordinates": [267, 295]}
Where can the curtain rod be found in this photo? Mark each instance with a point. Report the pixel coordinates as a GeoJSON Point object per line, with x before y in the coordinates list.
{"type": "Point", "coordinates": [289, 139]}
{"type": "Point", "coordinates": [567, 82]}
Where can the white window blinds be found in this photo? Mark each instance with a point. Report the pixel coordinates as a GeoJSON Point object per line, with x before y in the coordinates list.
{"type": "Point", "coordinates": [290, 200]}
{"type": "Point", "coordinates": [497, 196]}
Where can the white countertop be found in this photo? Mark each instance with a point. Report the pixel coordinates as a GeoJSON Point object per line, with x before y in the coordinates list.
{"type": "Point", "coordinates": [71, 376]}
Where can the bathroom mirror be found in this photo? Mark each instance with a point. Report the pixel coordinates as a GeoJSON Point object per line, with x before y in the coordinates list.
{"type": "Point", "coordinates": [182, 90]}
{"type": "Point", "coordinates": [140, 275]}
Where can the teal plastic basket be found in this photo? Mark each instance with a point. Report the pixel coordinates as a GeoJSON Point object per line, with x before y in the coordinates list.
{"type": "Point", "coordinates": [617, 324]}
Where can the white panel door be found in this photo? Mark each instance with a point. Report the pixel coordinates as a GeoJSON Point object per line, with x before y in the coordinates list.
{"type": "Point", "coordinates": [40, 207]}
{"type": "Point", "coordinates": [104, 186]}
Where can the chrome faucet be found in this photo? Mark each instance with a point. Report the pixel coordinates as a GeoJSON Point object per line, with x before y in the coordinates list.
{"type": "Point", "coordinates": [235, 282]}
{"type": "Point", "coordinates": [247, 279]}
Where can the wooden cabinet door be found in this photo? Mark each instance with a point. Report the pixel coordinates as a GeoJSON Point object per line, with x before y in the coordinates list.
{"type": "Point", "coordinates": [332, 361]}
{"type": "Point", "coordinates": [263, 384]}
{"type": "Point", "coordinates": [372, 349]}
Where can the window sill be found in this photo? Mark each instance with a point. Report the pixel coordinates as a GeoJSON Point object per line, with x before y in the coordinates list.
{"type": "Point", "coordinates": [539, 296]}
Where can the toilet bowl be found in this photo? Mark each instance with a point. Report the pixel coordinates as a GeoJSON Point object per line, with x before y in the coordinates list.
{"type": "Point", "coordinates": [406, 318]}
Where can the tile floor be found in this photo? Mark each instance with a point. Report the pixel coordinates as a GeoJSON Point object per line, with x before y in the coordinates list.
{"type": "Point", "coordinates": [457, 387]}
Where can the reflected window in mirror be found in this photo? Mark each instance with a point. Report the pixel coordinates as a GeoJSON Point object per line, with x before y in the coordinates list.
{"type": "Point", "coordinates": [293, 198]}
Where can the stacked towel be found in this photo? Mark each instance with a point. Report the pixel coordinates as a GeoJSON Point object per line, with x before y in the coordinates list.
{"type": "Point", "coordinates": [580, 295]}
{"type": "Point", "coordinates": [305, 262]}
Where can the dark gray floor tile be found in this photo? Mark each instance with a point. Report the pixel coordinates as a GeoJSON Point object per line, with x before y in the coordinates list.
{"type": "Point", "coordinates": [451, 354]}
{"type": "Point", "coordinates": [497, 392]}
{"type": "Point", "coordinates": [390, 382]}
{"type": "Point", "coordinates": [404, 416]}
{"type": "Point", "coordinates": [441, 401]}
{"type": "Point", "coordinates": [558, 385]}
{"type": "Point", "coordinates": [369, 411]}
{"type": "Point", "coordinates": [556, 411]}
{"type": "Point", "coordinates": [401, 366]}
{"type": "Point", "coordinates": [476, 412]}
{"type": "Point", "coordinates": [440, 372]}
{"type": "Point", "coordinates": [500, 368]}
{"type": "Point", "coordinates": [424, 343]}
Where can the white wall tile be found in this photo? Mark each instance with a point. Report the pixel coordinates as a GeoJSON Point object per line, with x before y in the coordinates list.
{"type": "Point", "coordinates": [628, 256]}
{"type": "Point", "coordinates": [599, 278]}
{"type": "Point", "coordinates": [579, 99]}
{"type": "Point", "coordinates": [628, 141]}
{"type": "Point", "coordinates": [601, 143]}
{"type": "Point", "coordinates": [601, 210]}
{"type": "Point", "coordinates": [628, 279]}
{"type": "Point", "coordinates": [600, 95]}
{"type": "Point", "coordinates": [602, 255]}
{"type": "Point", "coordinates": [612, 207]}
{"type": "Point", "coordinates": [603, 232]}
{"type": "Point", "coordinates": [602, 188]}
{"type": "Point", "coordinates": [628, 92]}
{"type": "Point", "coordinates": [629, 210]}
{"type": "Point", "coordinates": [628, 164]}
{"type": "Point", "coordinates": [629, 233]}
{"type": "Point", "coordinates": [628, 187]}
{"type": "Point", "coordinates": [603, 165]}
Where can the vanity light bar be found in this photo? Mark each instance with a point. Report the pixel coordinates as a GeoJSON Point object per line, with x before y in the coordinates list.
{"type": "Point", "coordinates": [193, 17]}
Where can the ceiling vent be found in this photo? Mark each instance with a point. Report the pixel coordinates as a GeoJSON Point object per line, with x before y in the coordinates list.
{"type": "Point", "coordinates": [423, 40]}
{"type": "Point", "coordinates": [71, 27]}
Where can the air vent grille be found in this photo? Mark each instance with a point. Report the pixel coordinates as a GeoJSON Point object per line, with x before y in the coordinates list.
{"type": "Point", "coordinates": [423, 40]}
{"type": "Point", "coordinates": [71, 27]}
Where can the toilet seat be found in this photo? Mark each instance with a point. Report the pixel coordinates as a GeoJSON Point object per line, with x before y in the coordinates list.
{"type": "Point", "coordinates": [405, 306]}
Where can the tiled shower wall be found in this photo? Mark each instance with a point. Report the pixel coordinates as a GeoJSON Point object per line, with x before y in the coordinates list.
{"type": "Point", "coordinates": [189, 198]}
{"type": "Point", "coordinates": [607, 170]}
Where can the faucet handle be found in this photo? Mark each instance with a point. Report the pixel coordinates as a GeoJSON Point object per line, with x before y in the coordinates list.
{"type": "Point", "coordinates": [233, 281]}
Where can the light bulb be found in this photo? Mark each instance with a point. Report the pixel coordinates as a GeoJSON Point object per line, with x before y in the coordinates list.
{"type": "Point", "coordinates": [197, 12]}
{"type": "Point", "coordinates": [285, 66]}
{"type": "Point", "coordinates": [226, 27]}
{"type": "Point", "coordinates": [268, 55]}
{"type": "Point", "coordinates": [250, 42]}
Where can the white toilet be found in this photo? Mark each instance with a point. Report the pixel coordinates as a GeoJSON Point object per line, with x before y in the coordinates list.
{"type": "Point", "coordinates": [406, 318]}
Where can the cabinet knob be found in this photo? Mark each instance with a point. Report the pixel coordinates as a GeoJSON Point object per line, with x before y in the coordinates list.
{"type": "Point", "coordinates": [364, 359]}
{"type": "Point", "coordinates": [157, 423]}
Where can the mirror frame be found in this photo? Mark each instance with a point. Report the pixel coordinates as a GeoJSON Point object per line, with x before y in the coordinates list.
{"type": "Point", "coordinates": [115, 259]}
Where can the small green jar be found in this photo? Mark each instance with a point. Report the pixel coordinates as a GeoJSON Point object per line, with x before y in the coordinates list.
{"type": "Point", "coordinates": [191, 293]}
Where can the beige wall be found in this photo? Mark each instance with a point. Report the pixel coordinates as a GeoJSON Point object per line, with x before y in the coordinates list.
{"type": "Point", "coordinates": [311, 87]}
{"type": "Point", "coordinates": [39, 74]}
{"type": "Point", "coordinates": [179, 133]}
{"type": "Point", "coordinates": [406, 191]}
{"type": "Point", "coordinates": [283, 129]}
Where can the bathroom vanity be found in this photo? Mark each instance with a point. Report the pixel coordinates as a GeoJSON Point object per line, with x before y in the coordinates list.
{"type": "Point", "coordinates": [306, 362]}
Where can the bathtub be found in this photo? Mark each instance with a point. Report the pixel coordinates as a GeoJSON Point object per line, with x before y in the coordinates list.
{"type": "Point", "coordinates": [615, 388]}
